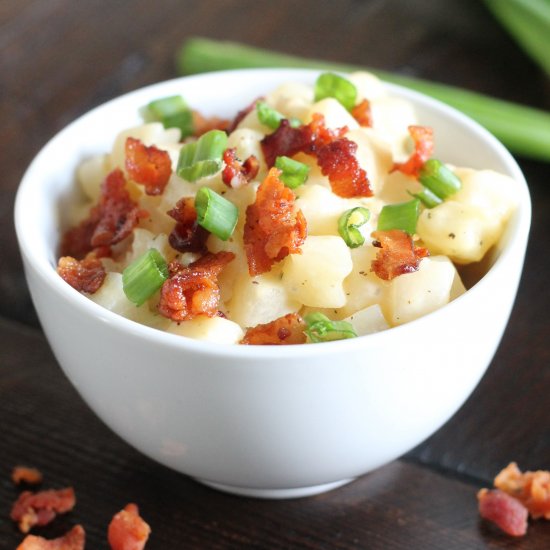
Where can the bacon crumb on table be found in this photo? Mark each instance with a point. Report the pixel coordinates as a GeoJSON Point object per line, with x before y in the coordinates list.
{"type": "Point", "coordinates": [398, 254]}
{"type": "Point", "coordinates": [274, 227]}
{"type": "Point", "coordinates": [85, 275]}
{"type": "Point", "coordinates": [24, 474]}
{"type": "Point", "coordinates": [41, 508]}
{"type": "Point", "coordinates": [422, 137]}
{"type": "Point", "coordinates": [286, 330]}
{"type": "Point", "coordinates": [503, 510]}
{"type": "Point", "coordinates": [193, 290]}
{"type": "Point", "coordinates": [147, 165]}
{"type": "Point", "coordinates": [72, 540]}
{"type": "Point", "coordinates": [530, 488]}
{"type": "Point", "coordinates": [127, 530]}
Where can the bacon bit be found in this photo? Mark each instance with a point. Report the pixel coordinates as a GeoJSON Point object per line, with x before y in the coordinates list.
{"type": "Point", "coordinates": [503, 510]}
{"type": "Point", "coordinates": [236, 174]}
{"type": "Point", "coordinates": [286, 330]}
{"type": "Point", "coordinates": [85, 275]}
{"type": "Point", "coordinates": [128, 530]}
{"type": "Point", "coordinates": [308, 138]}
{"type": "Point", "coordinates": [532, 489]}
{"type": "Point", "coordinates": [24, 474]}
{"type": "Point", "coordinates": [338, 162]}
{"type": "Point", "coordinates": [193, 290]}
{"type": "Point", "coordinates": [187, 235]}
{"type": "Point", "coordinates": [274, 228]}
{"type": "Point", "coordinates": [74, 539]}
{"type": "Point", "coordinates": [202, 124]}
{"type": "Point", "coordinates": [110, 221]}
{"type": "Point", "coordinates": [422, 137]}
{"type": "Point", "coordinates": [149, 166]}
{"type": "Point", "coordinates": [41, 508]}
{"type": "Point", "coordinates": [397, 256]}
{"type": "Point", "coordinates": [362, 113]}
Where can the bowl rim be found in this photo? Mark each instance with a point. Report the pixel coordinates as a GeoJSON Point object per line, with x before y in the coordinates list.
{"type": "Point", "coordinates": [518, 233]}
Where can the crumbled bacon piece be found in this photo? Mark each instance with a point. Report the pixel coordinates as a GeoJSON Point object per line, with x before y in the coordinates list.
{"type": "Point", "coordinates": [202, 124]}
{"type": "Point", "coordinates": [74, 539]}
{"type": "Point", "coordinates": [274, 228]}
{"type": "Point", "coordinates": [85, 275]}
{"type": "Point", "coordinates": [308, 138]}
{"type": "Point", "coordinates": [147, 165]}
{"type": "Point", "coordinates": [362, 113]}
{"type": "Point", "coordinates": [193, 290]}
{"type": "Point", "coordinates": [236, 173]}
{"type": "Point", "coordinates": [503, 510]}
{"type": "Point", "coordinates": [398, 254]}
{"type": "Point", "coordinates": [187, 235]}
{"type": "Point", "coordinates": [41, 508]}
{"type": "Point", "coordinates": [285, 330]}
{"type": "Point", "coordinates": [338, 162]}
{"type": "Point", "coordinates": [532, 489]}
{"type": "Point", "coordinates": [128, 530]}
{"type": "Point", "coordinates": [110, 221]}
{"type": "Point", "coordinates": [422, 137]}
{"type": "Point", "coordinates": [24, 474]}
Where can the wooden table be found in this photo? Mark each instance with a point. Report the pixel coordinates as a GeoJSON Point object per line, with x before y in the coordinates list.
{"type": "Point", "coordinates": [60, 58]}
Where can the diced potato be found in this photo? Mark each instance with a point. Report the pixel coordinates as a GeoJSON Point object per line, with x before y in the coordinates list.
{"type": "Point", "coordinates": [362, 287]}
{"type": "Point", "coordinates": [145, 240]}
{"type": "Point", "coordinates": [260, 299]}
{"type": "Point", "coordinates": [396, 187]}
{"type": "Point", "coordinates": [321, 208]}
{"type": "Point", "coordinates": [111, 296]}
{"type": "Point", "coordinates": [487, 190]}
{"type": "Point", "coordinates": [292, 99]}
{"type": "Point", "coordinates": [460, 231]}
{"type": "Point", "coordinates": [336, 115]}
{"type": "Point", "coordinates": [91, 173]}
{"type": "Point", "coordinates": [368, 320]}
{"type": "Point", "coordinates": [368, 86]}
{"type": "Point", "coordinates": [315, 277]}
{"type": "Point", "coordinates": [373, 155]}
{"type": "Point", "coordinates": [412, 295]}
{"type": "Point", "coordinates": [211, 329]}
{"type": "Point", "coordinates": [246, 141]}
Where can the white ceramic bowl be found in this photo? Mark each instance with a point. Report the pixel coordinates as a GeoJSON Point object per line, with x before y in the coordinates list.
{"type": "Point", "coordinates": [265, 421]}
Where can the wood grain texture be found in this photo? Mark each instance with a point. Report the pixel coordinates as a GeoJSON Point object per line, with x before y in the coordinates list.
{"type": "Point", "coordinates": [58, 59]}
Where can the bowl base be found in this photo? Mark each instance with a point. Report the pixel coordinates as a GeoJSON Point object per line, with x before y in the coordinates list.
{"type": "Point", "coordinates": [297, 492]}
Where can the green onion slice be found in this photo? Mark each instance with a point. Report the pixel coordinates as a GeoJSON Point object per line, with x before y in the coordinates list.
{"type": "Point", "coordinates": [215, 214]}
{"type": "Point", "coordinates": [202, 157]}
{"type": "Point", "coordinates": [426, 197]}
{"type": "Point", "coordinates": [173, 112]}
{"type": "Point", "coordinates": [271, 118]}
{"type": "Point", "coordinates": [293, 173]}
{"type": "Point", "coordinates": [350, 222]}
{"type": "Point", "coordinates": [402, 216]}
{"type": "Point", "coordinates": [144, 276]}
{"type": "Point", "coordinates": [321, 329]}
{"type": "Point", "coordinates": [338, 87]}
{"type": "Point", "coordinates": [439, 179]}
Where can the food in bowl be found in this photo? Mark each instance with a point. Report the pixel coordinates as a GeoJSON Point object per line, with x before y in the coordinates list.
{"type": "Point", "coordinates": [318, 213]}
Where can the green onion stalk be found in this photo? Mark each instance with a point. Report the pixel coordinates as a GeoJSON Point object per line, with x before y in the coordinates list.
{"type": "Point", "coordinates": [524, 130]}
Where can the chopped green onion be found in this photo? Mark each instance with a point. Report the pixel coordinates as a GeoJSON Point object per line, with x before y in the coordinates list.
{"type": "Point", "coordinates": [403, 215]}
{"type": "Point", "coordinates": [321, 329]}
{"type": "Point", "coordinates": [524, 130]}
{"type": "Point", "coordinates": [144, 276]}
{"type": "Point", "coordinates": [173, 112]}
{"type": "Point", "coordinates": [338, 87]}
{"type": "Point", "coordinates": [350, 222]}
{"type": "Point", "coordinates": [293, 173]}
{"type": "Point", "coordinates": [202, 157]}
{"type": "Point", "coordinates": [427, 198]}
{"type": "Point", "coordinates": [271, 118]}
{"type": "Point", "coordinates": [215, 214]}
{"type": "Point", "coordinates": [439, 179]}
